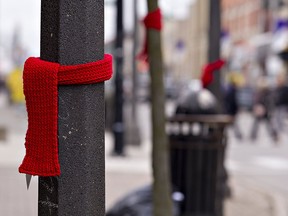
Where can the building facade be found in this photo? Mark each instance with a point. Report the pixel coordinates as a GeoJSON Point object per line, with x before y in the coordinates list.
{"type": "Point", "coordinates": [244, 19]}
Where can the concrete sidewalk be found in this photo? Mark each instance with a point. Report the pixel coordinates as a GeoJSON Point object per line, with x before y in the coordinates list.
{"type": "Point", "coordinates": [15, 200]}
{"type": "Point", "coordinates": [122, 176]}
{"type": "Point", "coordinates": [134, 171]}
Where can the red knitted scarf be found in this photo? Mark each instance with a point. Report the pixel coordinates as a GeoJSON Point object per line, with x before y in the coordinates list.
{"type": "Point", "coordinates": [208, 70]}
{"type": "Point", "coordinates": [41, 80]}
{"type": "Point", "coordinates": [153, 20]}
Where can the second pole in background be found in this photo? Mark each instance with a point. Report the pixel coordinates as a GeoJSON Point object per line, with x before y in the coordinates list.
{"type": "Point", "coordinates": [132, 135]}
{"type": "Point", "coordinates": [118, 126]}
{"type": "Point", "coordinates": [214, 48]}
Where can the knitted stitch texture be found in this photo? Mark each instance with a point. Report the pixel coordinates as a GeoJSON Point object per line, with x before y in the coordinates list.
{"type": "Point", "coordinates": [41, 79]}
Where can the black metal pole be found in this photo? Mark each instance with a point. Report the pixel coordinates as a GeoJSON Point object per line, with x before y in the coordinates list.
{"type": "Point", "coordinates": [214, 48]}
{"type": "Point", "coordinates": [118, 127]}
{"type": "Point", "coordinates": [134, 65]}
{"type": "Point", "coordinates": [72, 32]}
{"type": "Point", "coordinates": [217, 182]}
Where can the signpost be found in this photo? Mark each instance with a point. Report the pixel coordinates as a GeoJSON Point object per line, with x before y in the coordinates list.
{"type": "Point", "coordinates": [72, 32]}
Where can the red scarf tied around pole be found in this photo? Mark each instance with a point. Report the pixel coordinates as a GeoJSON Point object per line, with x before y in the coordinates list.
{"type": "Point", "coordinates": [208, 71]}
{"type": "Point", "coordinates": [153, 20]}
{"type": "Point", "coordinates": [41, 80]}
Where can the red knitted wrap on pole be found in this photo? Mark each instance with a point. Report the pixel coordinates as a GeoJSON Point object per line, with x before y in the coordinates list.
{"type": "Point", "coordinates": [41, 80]}
{"type": "Point", "coordinates": [153, 20]}
{"type": "Point", "coordinates": [208, 71]}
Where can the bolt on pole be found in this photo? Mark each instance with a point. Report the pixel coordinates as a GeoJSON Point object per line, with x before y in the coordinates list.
{"type": "Point", "coordinates": [72, 32]}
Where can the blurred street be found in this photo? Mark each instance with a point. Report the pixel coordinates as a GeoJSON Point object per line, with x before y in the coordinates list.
{"type": "Point", "coordinates": [222, 58]}
{"type": "Point", "coordinates": [258, 171]}
{"type": "Point", "coordinates": [262, 164]}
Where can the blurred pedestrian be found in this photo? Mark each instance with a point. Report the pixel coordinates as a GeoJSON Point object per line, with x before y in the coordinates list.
{"type": "Point", "coordinates": [15, 87]}
{"type": "Point", "coordinates": [2, 90]}
{"type": "Point", "coordinates": [281, 102]}
{"type": "Point", "coordinates": [2, 83]}
{"type": "Point", "coordinates": [262, 109]}
{"type": "Point", "coordinates": [231, 103]}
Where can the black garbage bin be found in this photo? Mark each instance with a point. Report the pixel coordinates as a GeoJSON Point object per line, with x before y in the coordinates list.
{"type": "Point", "coordinates": [197, 146]}
{"type": "Point", "coordinates": [197, 152]}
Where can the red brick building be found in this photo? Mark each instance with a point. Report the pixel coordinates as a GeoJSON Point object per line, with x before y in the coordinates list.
{"type": "Point", "coordinates": [243, 18]}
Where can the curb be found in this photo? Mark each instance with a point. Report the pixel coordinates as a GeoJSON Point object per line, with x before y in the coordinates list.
{"type": "Point", "coordinates": [278, 203]}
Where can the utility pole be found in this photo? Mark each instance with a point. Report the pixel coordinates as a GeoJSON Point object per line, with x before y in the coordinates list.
{"type": "Point", "coordinates": [199, 21]}
{"type": "Point", "coordinates": [132, 132]}
{"type": "Point", "coordinates": [214, 48]}
{"type": "Point", "coordinates": [72, 32]}
{"type": "Point", "coordinates": [162, 201]}
{"type": "Point", "coordinates": [118, 126]}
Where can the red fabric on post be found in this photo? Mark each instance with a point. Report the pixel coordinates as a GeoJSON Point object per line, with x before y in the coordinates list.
{"type": "Point", "coordinates": [153, 20]}
{"type": "Point", "coordinates": [208, 70]}
{"type": "Point", "coordinates": [41, 79]}
{"type": "Point", "coordinates": [40, 89]}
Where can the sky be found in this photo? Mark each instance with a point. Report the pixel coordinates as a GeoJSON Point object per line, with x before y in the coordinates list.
{"type": "Point", "coordinates": [25, 15]}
